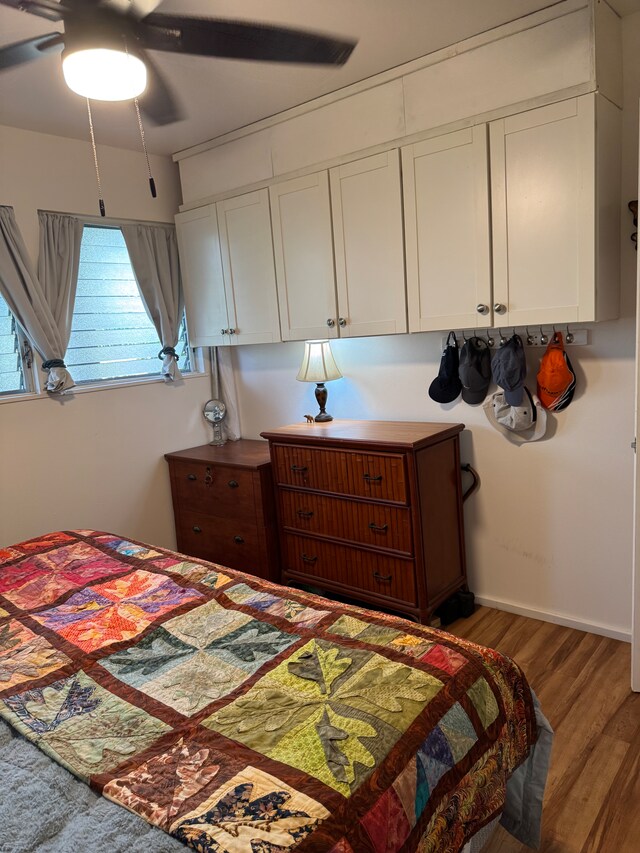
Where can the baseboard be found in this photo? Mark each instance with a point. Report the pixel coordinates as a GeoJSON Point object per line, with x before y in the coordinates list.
{"type": "Point", "coordinates": [556, 618]}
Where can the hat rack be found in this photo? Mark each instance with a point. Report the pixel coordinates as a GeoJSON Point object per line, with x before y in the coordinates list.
{"type": "Point", "coordinates": [532, 336]}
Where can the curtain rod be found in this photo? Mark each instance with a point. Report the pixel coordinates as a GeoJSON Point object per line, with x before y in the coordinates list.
{"type": "Point", "coordinates": [105, 220]}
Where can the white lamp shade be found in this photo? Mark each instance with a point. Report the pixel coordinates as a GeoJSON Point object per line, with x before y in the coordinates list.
{"type": "Point", "coordinates": [104, 75]}
{"type": "Point", "coordinates": [318, 364]}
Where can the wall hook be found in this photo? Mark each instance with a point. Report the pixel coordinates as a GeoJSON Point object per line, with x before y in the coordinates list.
{"type": "Point", "coordinates": [530, 338]}
{"type": "Point", "coordinates": [543, 338]}
{"type": "Point", "coordinates": [569, 336]}
{"type": "Point", "coordinates": [503, 340]}
{"type": "Point", "coordinates": [464, 337]}
{"type": "Point", "coordinates": [490, 341]}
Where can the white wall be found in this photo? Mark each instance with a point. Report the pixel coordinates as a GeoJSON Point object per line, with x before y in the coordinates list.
{"type": "Point", "coordinates": [550, 530]}
{"type": "Point", "coordinates": [92, 459]}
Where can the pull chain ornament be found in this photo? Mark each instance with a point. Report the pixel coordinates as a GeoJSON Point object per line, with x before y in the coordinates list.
{"type": "Point", "coordinates": [95, 161]}
{"type": "Point", "coordinates": [152, 183]}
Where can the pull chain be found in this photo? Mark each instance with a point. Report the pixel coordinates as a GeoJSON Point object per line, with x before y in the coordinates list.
{"type": "Point", "coordinates": [95, 160]}
{"type": "Point", "coordinates": [152, 183]}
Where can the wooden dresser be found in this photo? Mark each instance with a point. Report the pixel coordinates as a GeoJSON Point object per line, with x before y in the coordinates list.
{"type": "Point", "coordinates": [371, 510]}
{"type": "Point", "coordinates": [223, 505]}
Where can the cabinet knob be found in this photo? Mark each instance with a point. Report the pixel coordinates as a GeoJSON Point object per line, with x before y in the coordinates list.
{"type": "Point", "coordinates": [342, 321]}
{"type": "Point", "coordinates": [378, 528]}
{"type": "Point", "coordinates": [499, 308]}
{"type": "Point", "coordinates": [197, 529]}
{"type": "Point", "coordinates": [481, 308]}
{"type": "Point", "coordinates": [233, 484]}
{"type": "Point", "coordinates": [191, 477]}
{"type": "Point", "coordinates": [331, 322]}
{"type": "Point", "coordinates": [224, 331]}
{"type": "Point", "coordinates": [232, 331]}
{"type": "Point", "coordinates": [238, 540]}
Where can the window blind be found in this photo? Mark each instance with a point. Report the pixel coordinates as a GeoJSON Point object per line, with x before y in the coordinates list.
{"type": "Point", "coordinates": [11, 373]}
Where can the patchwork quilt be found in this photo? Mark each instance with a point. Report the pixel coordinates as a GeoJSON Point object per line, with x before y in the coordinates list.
{"type": "Point", "coordinates": [245, 717]}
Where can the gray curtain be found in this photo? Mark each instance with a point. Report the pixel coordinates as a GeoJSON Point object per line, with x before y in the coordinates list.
{"type": "Point", "coordinates": [223, 387]}
{"type": "Point", "coordinates": [153, 250]}
{"type": "Point", "coordinates": [29, 302]}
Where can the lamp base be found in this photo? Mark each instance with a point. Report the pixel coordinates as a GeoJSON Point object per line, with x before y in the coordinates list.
{"type": "Point", "coordinates": [321, 397]}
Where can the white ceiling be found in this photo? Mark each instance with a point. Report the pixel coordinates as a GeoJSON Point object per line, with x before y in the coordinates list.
{"type": "Point", "coordinates": [220, 95]}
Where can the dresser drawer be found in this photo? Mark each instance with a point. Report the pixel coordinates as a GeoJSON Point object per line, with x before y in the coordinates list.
{"type": "Point", "coordinates": [375, 476]}
{"type": "Point", "coordinates": [376, 524]}
{"type": "Point", "coordinates": [352, 569]}
{"type": "Point", "coordinates": [217, 490]}
{"type": "Point", "coordinates": [220, 540]}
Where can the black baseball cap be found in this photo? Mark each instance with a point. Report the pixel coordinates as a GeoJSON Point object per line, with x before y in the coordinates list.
{"type": "Point", "coordinates": [475, 370]}
{"type": "Point", "coordinates": [447, 386]}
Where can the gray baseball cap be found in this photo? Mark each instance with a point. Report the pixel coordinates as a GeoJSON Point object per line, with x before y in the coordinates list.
{"type": "Point", "coordinates": [475, 370]}
{"type": "Point", "coordinates": [509, 368]}
{"type": "Point", "coordinates": [520, 424]}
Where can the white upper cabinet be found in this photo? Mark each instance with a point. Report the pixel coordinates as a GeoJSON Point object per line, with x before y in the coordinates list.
{"type": "Point", "coordinates": [303, 250]}
{"type": "Point", "coordinates": [447, 231]}
{"type": "Point", "coordinates": [202, 281]}
{"type": "Point", "coordinates": [555, 201]}
{"type": "Point", "coordinates": [248, 269]}
{"type": "Point", "coordinates": [366, 203]}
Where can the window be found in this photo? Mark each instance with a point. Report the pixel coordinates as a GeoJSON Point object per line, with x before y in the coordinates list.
{"type": "Point", "coordinates": [12, 370]}
{"type": "Point", "coordinates": [111, 335]}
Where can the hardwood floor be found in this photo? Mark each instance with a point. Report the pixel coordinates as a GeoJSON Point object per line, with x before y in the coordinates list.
{"type": "Point", "coordinates": [592, 800]}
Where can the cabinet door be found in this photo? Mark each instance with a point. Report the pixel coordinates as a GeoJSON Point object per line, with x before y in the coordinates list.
{"type": "Point", "coordinates": [303, 249]}
{"type": "Point", "coordinates": [202, 280]}
{"type": "Point", "coordinates": [247, 263]}
{"type": "Point", "coordinates": [366, 202]}
{"type": "Point", "coordinates": [543, 201]}
{"type": "Point", "coordinates": [447, 236]}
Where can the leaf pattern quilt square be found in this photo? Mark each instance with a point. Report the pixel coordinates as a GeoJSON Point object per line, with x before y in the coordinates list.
{"type": "Point", "coordinates": [328, 710]}
{"type": "Point", "coordinates": [42, 578]}
{"type": "Point", "coordinates": [115, 611]}
{"type": "Point", "coordinates": [25, 656]}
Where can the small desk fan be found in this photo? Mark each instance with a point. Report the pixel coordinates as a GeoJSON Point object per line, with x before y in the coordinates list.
{"type": "Point", "coordinates": [214, 412]}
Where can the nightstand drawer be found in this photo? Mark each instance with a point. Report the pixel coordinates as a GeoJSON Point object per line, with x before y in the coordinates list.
{"type": "Point", "coordinates": [221, 540]}
{"type": "Point", "coordinates": [375, 476]}
{"type": "Point", "coordinates": [217, 490]}
{"type": "Point", "coordinates": [375, 524]}
{"type": "Point", "coordinates": [350, 569]}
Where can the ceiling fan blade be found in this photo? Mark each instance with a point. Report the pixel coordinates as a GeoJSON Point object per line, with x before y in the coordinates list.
{"type": "Point", "coordinates": [158, 103]}
{"type": "Point", "coordinates": [33, 48]}
{"type": "Point", "coordinates": [48, 9]}
{"type": "Point", "coordinates": [240, 40]}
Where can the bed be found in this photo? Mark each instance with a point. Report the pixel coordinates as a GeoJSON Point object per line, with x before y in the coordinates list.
{"type": "Point", "coordinates": [240, 716]}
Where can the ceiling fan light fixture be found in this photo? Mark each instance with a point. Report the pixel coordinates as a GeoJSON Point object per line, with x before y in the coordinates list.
{"type": "Point", "coordinates": [104, 74]}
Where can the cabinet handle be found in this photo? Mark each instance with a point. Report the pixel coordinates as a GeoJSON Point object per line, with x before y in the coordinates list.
{"type": "Point", "coordinates": [304, 513]}
{"type": "Point", "coordinates": [331, 322]}
{"type": "Point", "coordinates": [197, 529]}
{"type": "Point", "coordinates": [342, 321]}
{"type": "Point", "coordinates": [382, 578]}
{"type": "Point", "coordinates": [191, 477]}
{"type": "Point", "coordinates": [233, 484]}
{"type": "Point", "coordinates": [298, 469]}
{"type": "Point", "coordinates": [307, 559]}
{"type": "Point", "coordinates": [238, 540]}
{"type": "Point", "coordinates": [370, 478]}
{"type": "Point", "coordinates": [482, 309]}
{"type": "Point", "coordinates": [378, 528]}
{"type": "Point", "coordinates": [499, 308]}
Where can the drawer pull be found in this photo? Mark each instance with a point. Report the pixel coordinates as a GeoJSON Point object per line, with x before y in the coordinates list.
{"type": "Point", "coordinates": [233, 484]}
{"type": "Point", "coordinates": [382, 578]}
{"type": "Point", "coordinates": [304, 513]}
{"type": "Point", "coordinates": [307, 559]}
{"type": "Point", "coordinates": [298, 469]}
{"type": "Point", "coordinates": [197, 529]}
{"type": "Point", "coordinates": [208, 477]}
{"type": "Point", "coordinates": [370, 478]}
{"type": "Point", "coordinates": [191, 477]}
{"type": "Point", "coordinates": [238, 540]}
{"type": "Point", "coordinates": [378, 528]}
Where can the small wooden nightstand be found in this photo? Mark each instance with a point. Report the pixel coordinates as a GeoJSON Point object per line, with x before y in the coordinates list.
{"type": "Point", "coordinates": [223, 505]}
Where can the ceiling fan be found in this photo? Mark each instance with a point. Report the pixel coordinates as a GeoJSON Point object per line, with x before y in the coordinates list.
{"type": "Point", "coordinates": [104, 46]}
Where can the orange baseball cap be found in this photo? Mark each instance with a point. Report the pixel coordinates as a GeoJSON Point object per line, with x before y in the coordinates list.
{"type": "Point", "coordinates": [556, 379]}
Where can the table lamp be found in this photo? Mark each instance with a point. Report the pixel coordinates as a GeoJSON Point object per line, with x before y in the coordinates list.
{"type": "Point", "coordinates": [318, 366]}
